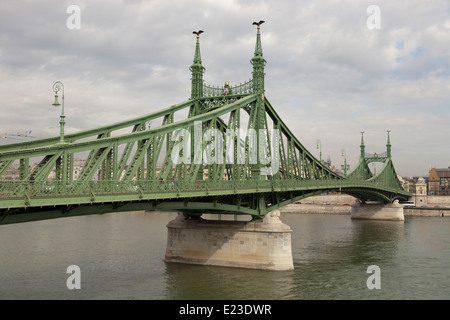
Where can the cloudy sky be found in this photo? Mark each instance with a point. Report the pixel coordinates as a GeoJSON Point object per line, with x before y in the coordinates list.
{"type": "Point", "coordinates": [329, 75]}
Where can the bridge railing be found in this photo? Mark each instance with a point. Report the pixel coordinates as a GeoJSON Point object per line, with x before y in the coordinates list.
{"type": "Point", "coordinates": [14, 189]}
{"type": "Point", "coordinates": [242, 88]}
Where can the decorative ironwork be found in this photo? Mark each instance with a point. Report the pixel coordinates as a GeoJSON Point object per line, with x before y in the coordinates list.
{"type": "Point", "coordinates": [141, 168]}
{"type": "Point", "coordinates": [375, 157]}
{"type": "Point", "coordinates": [241, 89]}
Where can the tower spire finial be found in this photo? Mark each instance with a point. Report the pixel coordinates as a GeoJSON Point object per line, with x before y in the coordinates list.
{"type": "Point", "coordinates": [197, 70]}
{"type": "Point", "coordinates": [258, 62]}
{"type": "Point", "coordinates": [388, 145]}
{"type": "Point", "coordinates": [363, 147]}
{"type": "Point", "coordinates": [258, 47]}
{"type": "Point", "coordinates": [197, 56]}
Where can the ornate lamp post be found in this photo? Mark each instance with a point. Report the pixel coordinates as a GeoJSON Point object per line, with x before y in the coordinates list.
{"type": "Point", "coordinates": [58, 86]}
{"type": "Point", "coordinates": [319, 146]}
{"type": "Point", "coordinates": [345, 166]}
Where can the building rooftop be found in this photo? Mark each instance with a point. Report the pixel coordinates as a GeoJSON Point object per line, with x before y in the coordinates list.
{"type": "Point", "coordinates": [438, 173]}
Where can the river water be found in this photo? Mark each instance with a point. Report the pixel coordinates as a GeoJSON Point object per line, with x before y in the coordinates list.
{"type": "Point", "coordinates": [121, 256]}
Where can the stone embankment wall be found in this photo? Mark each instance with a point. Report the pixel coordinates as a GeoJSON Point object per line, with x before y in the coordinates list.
{"type": "Point", "coordinates": [316, 209]}
{"type": "Point", "coordinates": [325, 204]}
{"type": "Point", "coordinates": [429, 206]}
{"type": "Point", "coordinates": [427, 212]}
{"type": "Point", "coordinates": [431, 201]}
{"type": "Point", "coordinates": [435, 206]}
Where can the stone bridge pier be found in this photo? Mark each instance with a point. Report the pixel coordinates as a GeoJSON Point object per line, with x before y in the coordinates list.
{"type": "Point", "coordinates": [377, 211]}
{"type": "Point", "coordinates": [257, 245]}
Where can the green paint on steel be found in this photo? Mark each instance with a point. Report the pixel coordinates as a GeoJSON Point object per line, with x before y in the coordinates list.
{"type": "Point", "coordinates": [139, 170]}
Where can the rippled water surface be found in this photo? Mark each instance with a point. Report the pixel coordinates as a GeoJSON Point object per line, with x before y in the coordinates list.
{"type": "Point", "coordinates": [121, 256]}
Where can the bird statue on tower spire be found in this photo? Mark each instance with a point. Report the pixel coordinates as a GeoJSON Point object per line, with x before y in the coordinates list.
{"type": "Point", "coordinates": [258, 24]}
{"type": "Point", "coordinates": [197, 70]}
{"type": "Point", "coordinates": [258, 62]}
{"type": "Point", "coordinates": [198, 33]}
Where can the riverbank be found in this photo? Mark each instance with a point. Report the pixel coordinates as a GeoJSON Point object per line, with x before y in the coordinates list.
{"type": "Point", "coordinates": [316, 209]}
{"type": "Point", "coordinates": [322, 204]}
{"type": "Point", "coordinates": [341, 204]}
{"type": "Point", "coordinates": [426, 212]}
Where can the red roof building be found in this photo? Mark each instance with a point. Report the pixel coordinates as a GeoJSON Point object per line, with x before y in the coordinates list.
{"type": "Point", "coordinates": [438, 181]}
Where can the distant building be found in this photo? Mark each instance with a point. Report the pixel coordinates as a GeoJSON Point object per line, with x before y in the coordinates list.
{"type": "Point", "coordinates": [409, 184]}
{"type": "Point", "coordinates": [438, 181]}
{"type": "Point", "coordinates": [77, 167]}
{"type": "Point", "coordinates": [421, 187]}
{"type": "Point", "coordinates": [404, 181]}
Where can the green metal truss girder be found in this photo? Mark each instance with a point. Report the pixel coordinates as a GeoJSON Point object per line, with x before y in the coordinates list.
{"type": "Point", "coordinates": [323, 179]}
{"type": "Point", "coordinates": [361, 171]}
{"type": "Point", "coordinates": [387, 175]}
{"type": "Point", "coordinates": [96, 147]}
{"type": "Point", "coordinates": [309, 161]}
{"type": "Point", "coordinates": [121, 139]}
{"type": "Point", "coordinates": [230, 188]}
{"type": "Point", "coordinates": [315, 177]}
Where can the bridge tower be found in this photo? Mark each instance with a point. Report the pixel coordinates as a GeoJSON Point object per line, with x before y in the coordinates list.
{"type": "Point", "coordinates": [388, 145]}
{"type": "Point", "coordinates": [389, 210]}
{"type": "Point", "coordinates": [234, 243]}
{"type": "Point", "coordinates": [197, 71]}
{"type": "Point", "coordinates": [258, 74]}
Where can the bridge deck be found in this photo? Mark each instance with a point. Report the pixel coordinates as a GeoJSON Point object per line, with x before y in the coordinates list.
{"type": "Point", "coordinates": [23, 194]}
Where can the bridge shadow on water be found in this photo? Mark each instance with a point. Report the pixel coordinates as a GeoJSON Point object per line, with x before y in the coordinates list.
{"type": "Point", "coordinates": [192, 282]}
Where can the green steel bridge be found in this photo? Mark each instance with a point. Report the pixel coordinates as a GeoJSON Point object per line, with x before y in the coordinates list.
{"type": "Point", "coordinates": [224, 150]}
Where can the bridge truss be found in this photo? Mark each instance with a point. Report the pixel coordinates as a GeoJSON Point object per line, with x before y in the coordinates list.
{"type": "Point", "coordinates": [223, 150]}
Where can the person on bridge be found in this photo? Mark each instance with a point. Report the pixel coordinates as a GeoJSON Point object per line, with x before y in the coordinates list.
{"type": "Point", "coordinates": [32, 179]}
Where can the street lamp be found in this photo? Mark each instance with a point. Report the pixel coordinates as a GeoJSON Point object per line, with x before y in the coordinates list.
{"type": "Point", "coordinates": [345, 166]}
{"type": "Point", "coordinates": [319, 146]}
{"type": "Point", "coordinates": [58, 86]}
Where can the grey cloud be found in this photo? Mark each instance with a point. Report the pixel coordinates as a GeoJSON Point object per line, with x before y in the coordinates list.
{"type": "Point", "coordinates": [327, 75]}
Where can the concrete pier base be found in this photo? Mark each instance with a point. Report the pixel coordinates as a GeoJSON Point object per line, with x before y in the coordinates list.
{"type": "Point", "coordinates": [377, 211]}
{"type": "Point", "coordinates": [257, 245]}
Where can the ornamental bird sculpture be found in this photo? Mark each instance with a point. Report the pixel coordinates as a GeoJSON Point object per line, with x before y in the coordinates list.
{"type": "Point", "coordinates": [198, 32]}
{"type": "Point", "coordinates": [258, 23]}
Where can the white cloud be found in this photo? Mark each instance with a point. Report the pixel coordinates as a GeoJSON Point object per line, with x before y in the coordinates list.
{"type": "Point", "coordinates": [327, 74]}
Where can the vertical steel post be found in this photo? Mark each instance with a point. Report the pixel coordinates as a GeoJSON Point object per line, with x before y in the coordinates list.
{"type": "Point", "coordinates": [258, 63]}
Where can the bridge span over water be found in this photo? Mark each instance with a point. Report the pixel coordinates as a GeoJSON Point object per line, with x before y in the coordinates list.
{"type": "Point", "coordinates": [224, 150]}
